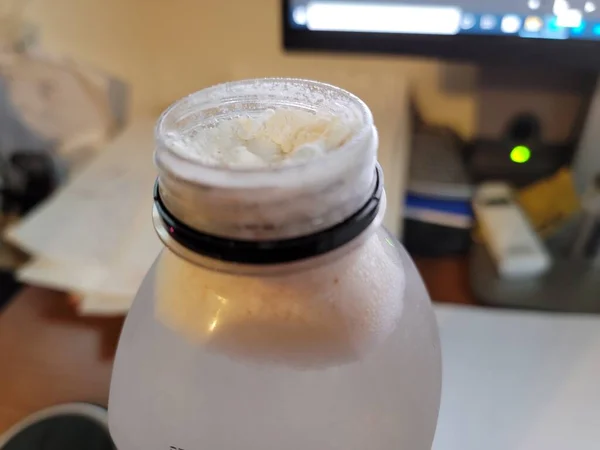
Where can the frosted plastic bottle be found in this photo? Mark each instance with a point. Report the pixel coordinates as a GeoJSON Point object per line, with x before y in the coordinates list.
{"type": "Point", "coordinates": [280, 315]}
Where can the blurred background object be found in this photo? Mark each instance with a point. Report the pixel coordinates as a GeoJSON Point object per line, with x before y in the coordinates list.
{"type": "Point", "coordinates": [438, 217]}
{"type": "Point", "coordinates": [15, 34]}
{"type": "Point", "coordinates": [95, 238]}
{"type": "Point", "coordinates": [54, 115]}
{"type": "Point", "coordinates": [530, 124]}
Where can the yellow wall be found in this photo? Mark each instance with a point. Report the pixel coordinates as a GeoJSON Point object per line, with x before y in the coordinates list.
{"type": "Point", "coordinates": [114, 35]}
{"type": "Point", "coordinates": [167, 49]}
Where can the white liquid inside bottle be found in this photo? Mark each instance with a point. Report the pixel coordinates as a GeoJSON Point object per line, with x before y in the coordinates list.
{"type": "Point", "coordinates": [281, 314]}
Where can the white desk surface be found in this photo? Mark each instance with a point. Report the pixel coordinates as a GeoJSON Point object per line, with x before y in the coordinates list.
{"type": "Point", "coordinates": [518, 381]}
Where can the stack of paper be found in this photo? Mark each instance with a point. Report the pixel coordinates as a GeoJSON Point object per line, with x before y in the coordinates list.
{"type": "Point", "coordinates": [94, 237]}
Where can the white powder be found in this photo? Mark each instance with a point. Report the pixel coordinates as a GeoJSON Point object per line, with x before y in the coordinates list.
{"type": "Point", "coordinates": [305, 151]}
{"type": "Point", "coordinates": [323, 316]}
{"type": "Point", "coordinates": [270, 138]}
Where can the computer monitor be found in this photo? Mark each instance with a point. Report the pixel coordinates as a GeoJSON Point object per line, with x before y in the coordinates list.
{"type": "Point", "coordinates": [555, 32]}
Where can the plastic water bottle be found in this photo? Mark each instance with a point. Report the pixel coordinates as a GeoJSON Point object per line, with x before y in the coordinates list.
{"type": "Point", "coordinates": [281, 314]}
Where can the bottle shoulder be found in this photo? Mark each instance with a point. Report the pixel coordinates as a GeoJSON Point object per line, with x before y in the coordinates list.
{"type": "Point", "coordinates": [333, 312]}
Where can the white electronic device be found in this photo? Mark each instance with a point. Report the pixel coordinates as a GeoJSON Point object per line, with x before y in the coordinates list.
{"type": "Point", "coordinates": [509, 237]}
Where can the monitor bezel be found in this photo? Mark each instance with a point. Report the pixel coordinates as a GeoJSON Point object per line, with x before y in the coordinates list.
{"type": "Point", "coordinates": [494, 50]}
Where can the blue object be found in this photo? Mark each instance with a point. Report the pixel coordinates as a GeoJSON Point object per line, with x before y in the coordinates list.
{"type": "Point", "coordinates": [449, 206]}
{"type": "Point", "coordinates": [579, 30]}
{"type": "Point", "coordinates": [552, 25]}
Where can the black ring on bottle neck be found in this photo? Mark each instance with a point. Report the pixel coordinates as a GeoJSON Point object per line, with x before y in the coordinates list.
{"type": "Point", "coordinates": [273, 251]}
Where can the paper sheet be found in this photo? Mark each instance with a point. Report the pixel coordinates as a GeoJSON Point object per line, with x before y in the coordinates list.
{"type": "Point", "coordinates": [89, 219]}
{"type": "Point", "coordinates": [95, 236]}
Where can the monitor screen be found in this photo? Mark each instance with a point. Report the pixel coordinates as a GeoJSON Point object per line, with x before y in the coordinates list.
{"type": "Point", "coordinates": [550, 19]}
{"type": "Point", "coordinates": [385, 25]}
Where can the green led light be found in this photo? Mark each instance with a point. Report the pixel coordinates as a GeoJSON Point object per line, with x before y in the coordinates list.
{"type": "Point", "coordinates": [520, 154]}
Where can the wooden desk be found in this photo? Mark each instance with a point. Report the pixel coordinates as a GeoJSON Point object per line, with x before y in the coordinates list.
{"type": "Point", "coordinates": [49, 355]}
{"type": "Point", "coordinates": [447, 279]}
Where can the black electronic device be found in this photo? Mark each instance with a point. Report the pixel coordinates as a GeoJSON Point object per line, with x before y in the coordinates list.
{"type": "Point", "coordinates": [556, 32]}
{"type": "Point", "coordinates": [528, 118]}
{"type": "Point", "coordinates": [519, 155]}
{"type": "Point", "coordinates": [26, 178]}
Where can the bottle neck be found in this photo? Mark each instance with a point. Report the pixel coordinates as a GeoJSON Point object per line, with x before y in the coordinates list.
{"type": "Point", "coordinates": [219, 265]}
{"type": "Point", "coordinates": [268, 204]}
{"type": "Point", "coordinates": [274, 204]}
